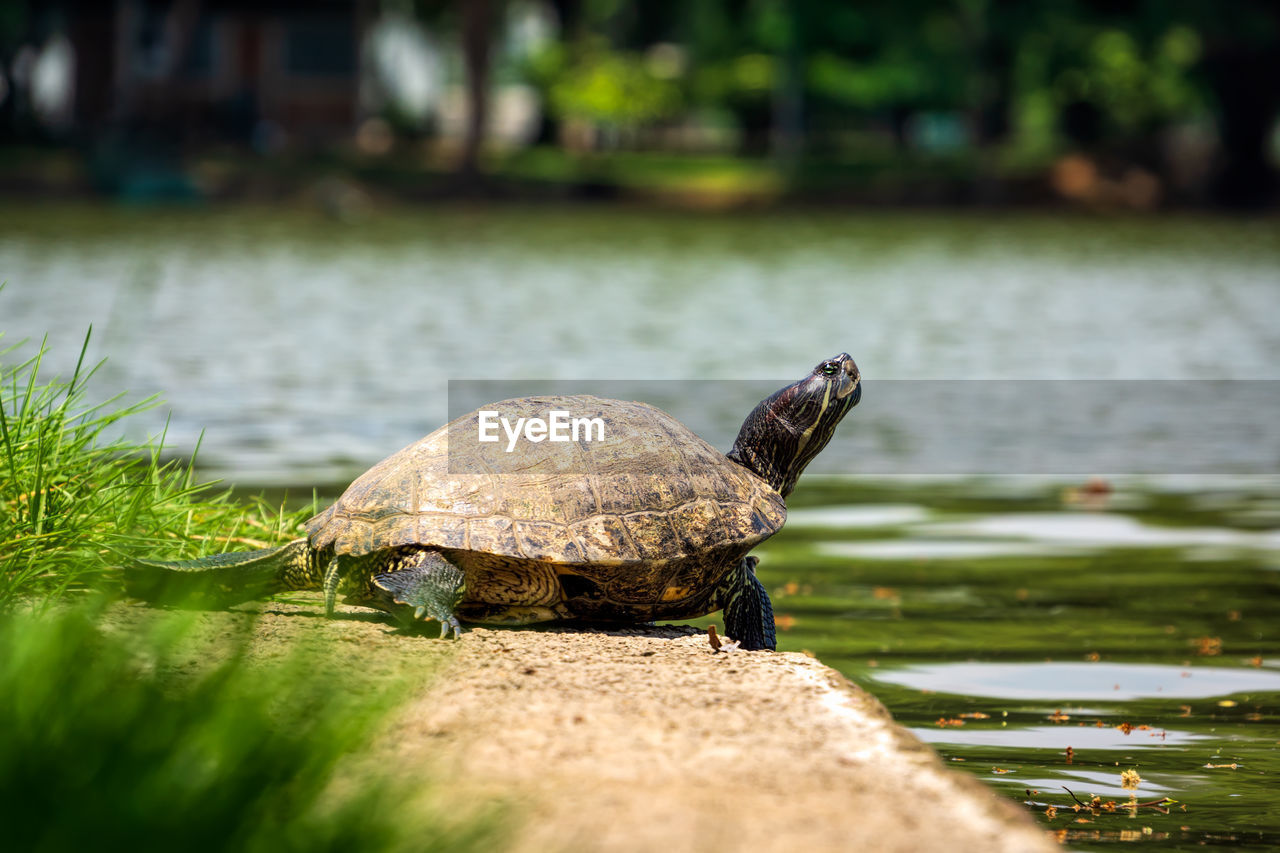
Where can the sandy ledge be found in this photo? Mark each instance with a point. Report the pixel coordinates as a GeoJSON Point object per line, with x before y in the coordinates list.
{"type": "Point", "coordinates": [646, 739]}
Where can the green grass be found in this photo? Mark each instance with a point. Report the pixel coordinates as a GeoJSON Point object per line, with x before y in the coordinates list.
{"type": "Point", "coordinates": [141, 739]}
{"type": "Point", "coordinates": [76, 499]}
{"type": "Point", "coordinates": [130, 728]}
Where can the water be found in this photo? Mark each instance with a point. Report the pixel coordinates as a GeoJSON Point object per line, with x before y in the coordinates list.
{"type": "Point", "coordinates": [305, 348]}
{"type": "Point", "coordinates": [1006, 626]}
{"type": "Point", "coordinates": [1004, 619]}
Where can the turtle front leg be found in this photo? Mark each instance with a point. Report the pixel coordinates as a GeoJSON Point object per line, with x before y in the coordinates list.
{"type": "Point", "coordinates": [748, 615]}
{"type": "Point", "coordinates": [425, 586]}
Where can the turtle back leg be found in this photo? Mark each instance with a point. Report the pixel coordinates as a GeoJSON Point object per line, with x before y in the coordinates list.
{"type": "Point", "coordinates": [420, 585]}
{"type": "Point", "coordinates": [748, 614]}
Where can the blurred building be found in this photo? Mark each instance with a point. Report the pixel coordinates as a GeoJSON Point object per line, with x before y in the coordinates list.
{"type": "Point", "coordinates": [265, 72]}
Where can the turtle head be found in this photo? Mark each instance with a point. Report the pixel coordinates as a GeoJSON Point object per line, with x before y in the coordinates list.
{"type": "Point", "coordinates": [783, 434]}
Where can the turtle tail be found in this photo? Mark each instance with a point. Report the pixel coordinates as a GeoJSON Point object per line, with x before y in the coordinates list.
{"type": "Point", "coordinates": [226, 579]}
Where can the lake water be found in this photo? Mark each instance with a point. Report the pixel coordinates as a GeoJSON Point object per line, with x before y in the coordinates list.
{"type": "Point", "coordinates": [1005, 613]}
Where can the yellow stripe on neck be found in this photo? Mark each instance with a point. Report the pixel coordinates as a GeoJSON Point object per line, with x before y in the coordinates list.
{"type": "Point", "coordinates": [808, 433]}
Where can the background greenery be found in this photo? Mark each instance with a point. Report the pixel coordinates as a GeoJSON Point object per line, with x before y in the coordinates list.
{"type": "Point", "coordinates": [154, 731]}
{"type": "Point", "coordinates": [844, 101]}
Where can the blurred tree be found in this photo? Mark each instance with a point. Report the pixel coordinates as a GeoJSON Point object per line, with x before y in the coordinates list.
{"type": "Point", "coordinates": [1242, 69]}
{"type": "Point", "coordinates": [475, 23]}
{"type": "Point", "coordinates": [478, 22]}
{"type": "Point", "coordinates": [15, 33]}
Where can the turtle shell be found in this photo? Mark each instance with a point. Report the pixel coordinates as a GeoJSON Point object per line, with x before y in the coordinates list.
{"type": "Point", "coordinates": [642, 522]}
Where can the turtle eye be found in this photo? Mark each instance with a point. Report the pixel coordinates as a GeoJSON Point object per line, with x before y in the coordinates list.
{"type": "Point", "coordinates": [830, 368]}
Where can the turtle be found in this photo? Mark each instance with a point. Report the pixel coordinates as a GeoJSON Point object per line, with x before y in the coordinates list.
{"type": "Point", "coordinates": [647, 521]}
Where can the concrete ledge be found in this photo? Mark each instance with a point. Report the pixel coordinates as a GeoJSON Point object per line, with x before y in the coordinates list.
{"type": "Point", "coordinates": [635, 739]}
{"type": "Point", "coordinates": [648, 739]}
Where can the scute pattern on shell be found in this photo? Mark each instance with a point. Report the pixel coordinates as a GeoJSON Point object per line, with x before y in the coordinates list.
{"type": "Point", "coordinates": [651, 493]}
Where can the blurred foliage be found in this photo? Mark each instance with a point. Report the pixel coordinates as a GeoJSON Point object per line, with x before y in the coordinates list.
{"type": "Point", "coordinates": [595, 83]}
{"type": "Point", "coordinates": [798, 79]}
{"type": "Point", "coordinates": [163, 738]}
{"type": "Point", "coordinates": [149, 742]}
{"type": "Point", "coordinates": [1036, 77]}
{"type": "Point", "coordinates": [1133, 85]}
